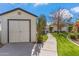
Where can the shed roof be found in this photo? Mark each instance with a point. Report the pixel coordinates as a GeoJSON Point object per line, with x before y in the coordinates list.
{"type": "Point", "coordinates": [18, 9]}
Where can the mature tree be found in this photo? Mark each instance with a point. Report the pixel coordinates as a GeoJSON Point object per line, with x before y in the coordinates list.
{"type": "Point", "coordinates": [61, 17]}
{"type": "Point", "coordinates": [41, 24]}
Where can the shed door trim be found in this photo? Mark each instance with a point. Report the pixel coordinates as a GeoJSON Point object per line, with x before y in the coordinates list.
{"type": "Point", "coordinates": [19, 20]}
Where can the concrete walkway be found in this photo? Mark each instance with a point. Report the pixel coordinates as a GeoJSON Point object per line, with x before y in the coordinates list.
{"type": "Point", "coordinates": [49, 47]}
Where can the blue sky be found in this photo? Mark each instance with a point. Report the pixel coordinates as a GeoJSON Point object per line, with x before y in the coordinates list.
{"type": "Point", "coordinates": [43, 8]}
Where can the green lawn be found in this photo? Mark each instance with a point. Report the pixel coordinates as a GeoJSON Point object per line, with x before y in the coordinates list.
{"type": "Point", "coordinates": [65, 47]}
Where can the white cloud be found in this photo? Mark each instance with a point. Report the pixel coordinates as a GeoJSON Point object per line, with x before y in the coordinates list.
{"type": "Point", "coordinates": [75, 9]}
{"type": "Point", "coordinates": [39, 4]}
{"type": "Point", "coordinates": [66, 13]}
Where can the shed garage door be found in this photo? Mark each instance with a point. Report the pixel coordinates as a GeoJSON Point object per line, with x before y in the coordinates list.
{"type": "Point", "coordinates": [19, 31]}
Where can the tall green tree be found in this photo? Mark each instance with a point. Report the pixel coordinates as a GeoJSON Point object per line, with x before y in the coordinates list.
{"type": "Point", "coordinates": [41, 24]}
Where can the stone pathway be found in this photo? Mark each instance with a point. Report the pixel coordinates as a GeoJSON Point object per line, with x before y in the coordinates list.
{"type": "Point", "coordinates": [49, 47]}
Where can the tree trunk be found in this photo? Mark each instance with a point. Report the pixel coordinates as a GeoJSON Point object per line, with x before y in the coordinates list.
{"type": "Point", "coordinates": [58, 25]}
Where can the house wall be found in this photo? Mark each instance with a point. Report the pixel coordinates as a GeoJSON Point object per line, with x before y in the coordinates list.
{"type": "Point", "coordinates": [14, 15]}
{"type": "Point", "coordinates": [63, 29]}
{"type": "Point", "coordinates": [54, 29]}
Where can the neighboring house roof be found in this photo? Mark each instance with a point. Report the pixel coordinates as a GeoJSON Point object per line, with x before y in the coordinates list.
{"type": "Point", "coordinates": [18, 9]}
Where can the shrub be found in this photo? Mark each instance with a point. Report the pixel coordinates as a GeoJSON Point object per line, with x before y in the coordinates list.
{"type": "Point", "coordinates": [45, 37]}
{"type": "Point", "coordinates": [77, 36]}
{"type": "Point", "coordinates": [41, 38]}
{"type": "Point", "coordinates": [70, 28]}
{"type": "Point", "coordinates": [72, 36]}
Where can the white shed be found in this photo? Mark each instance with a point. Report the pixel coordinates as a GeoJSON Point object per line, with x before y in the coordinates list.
{"type": "Point", "coordinates": [18, 25]}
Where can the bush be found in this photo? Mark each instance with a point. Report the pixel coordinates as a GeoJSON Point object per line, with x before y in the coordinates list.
{"type": "Point", "coordinates": [70, 28]}
{"type": "Point", "coordinates": [45, 37]}
{"type": "Point", "coordinates": [62, 33]}
{"type": "Point", "coordinates": [72, 36]}
{"type": "Point", "coordinates": [77, 36]}
{"type": "Point", "coordinates": [41, 38]}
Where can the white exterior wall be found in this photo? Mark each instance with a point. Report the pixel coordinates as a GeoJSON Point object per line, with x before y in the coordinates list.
{"type": "Point", "coordinates": [14, 15]}
{"type": "Point", "coordinates": [63, 29]}
{"type": "Point", "coordinates": [54, 29]}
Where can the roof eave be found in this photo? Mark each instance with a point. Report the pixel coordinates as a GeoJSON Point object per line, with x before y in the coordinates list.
{"type": "Point", "coordinates": [18, 9]}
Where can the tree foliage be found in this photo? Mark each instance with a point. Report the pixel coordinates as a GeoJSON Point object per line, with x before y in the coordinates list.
{"type": "Point", "coordinates": [41, 24]}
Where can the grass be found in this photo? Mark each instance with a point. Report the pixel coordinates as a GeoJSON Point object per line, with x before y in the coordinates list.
{"type": "Point", "coordinates": [65, 47]}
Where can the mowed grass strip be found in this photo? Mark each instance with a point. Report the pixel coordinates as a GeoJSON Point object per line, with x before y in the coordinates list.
{"type": "Point", "coordinates": [65, 47]}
